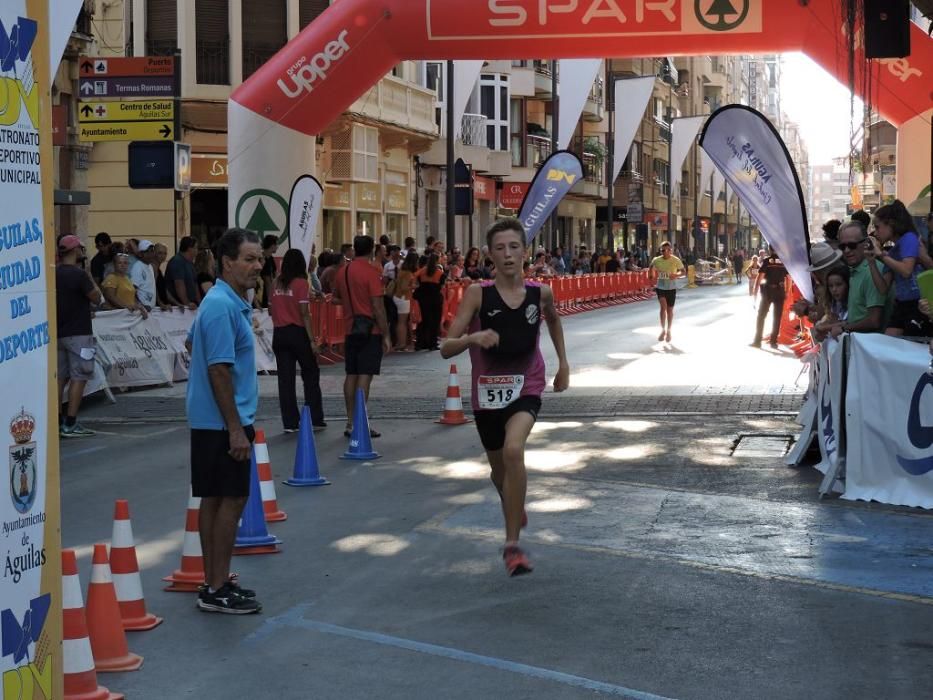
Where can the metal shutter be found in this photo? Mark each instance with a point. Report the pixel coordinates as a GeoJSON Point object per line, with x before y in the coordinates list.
{"type": "Point", "coordinates": [162, 22]}
{"type": "Point", "coordinates": [212, 20]}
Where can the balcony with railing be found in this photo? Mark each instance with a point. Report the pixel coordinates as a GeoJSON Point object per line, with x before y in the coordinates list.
{"type": "Point", "coordinates": [159, 47]}
{"type": "Point", "coordinates": [256, 55]}
{"type": "Point", "coordinates": [542, 73]}
{"type": "Point", "coordinates": [537, 150]}
{"type": "Point", "coordinates": [213, 62]}
{"type": "Point", "coordinates": [473, 130]}
{"type": "Point", "coordinates": [595, 101]}
{"type": "Point", "coordinates": [399, 103]}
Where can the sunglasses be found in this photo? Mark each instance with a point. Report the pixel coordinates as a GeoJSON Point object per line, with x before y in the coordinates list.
{"type": "Point", "coordinates": [853, 246]}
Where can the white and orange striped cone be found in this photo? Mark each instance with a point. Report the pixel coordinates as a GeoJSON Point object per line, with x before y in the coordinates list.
{"type": "Point", "coordinates": [77, 659]}
{"type": "Point", "coordinates": [453, 406]}
{"type": "Point", "coordinates": [108, 640]}
{"type": "Point", "coordinates": [190, 576]}
{"type": "Point", "coordinates": [270, 504]}
{"type": "Point", "coordinates": [125, 570]}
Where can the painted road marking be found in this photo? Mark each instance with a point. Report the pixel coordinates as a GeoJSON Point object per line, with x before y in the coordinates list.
{"type": "Point", "coordinates": [293, 618]}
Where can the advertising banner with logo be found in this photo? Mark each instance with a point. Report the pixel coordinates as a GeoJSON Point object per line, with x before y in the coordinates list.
{"type": "Point", "coordinates": [513, 194]}
{"type": "Point", "coordinates": [832, 379]}
{"type": "Point", "coordinates": [175, 324]}
{"type": "Point", "coordinates": [576, 80]}
{"type": "Point", "coordinates": [138, 352]}
{"type": "Point", "coordinates": [304, 209]}
{"type": "Point", "coordinates": [889, 441]}
{"type": "Point", "coordinates": [749, 152]}
{"type": "Point", "coordinates": [554, 179]}
{"type": "Point", "coordinates": [30, 582]}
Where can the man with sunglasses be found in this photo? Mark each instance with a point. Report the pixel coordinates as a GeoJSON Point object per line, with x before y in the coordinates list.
{"type": "Point", "coordinates": [866, 303]}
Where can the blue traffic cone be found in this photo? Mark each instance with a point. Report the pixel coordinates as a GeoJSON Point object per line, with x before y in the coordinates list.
{"type": "Point", "coordinates": [306, 467]}
{"type": "Point", "coordinates": [361, 445]}
{"type": "Point", "coordinates": [252, 536]}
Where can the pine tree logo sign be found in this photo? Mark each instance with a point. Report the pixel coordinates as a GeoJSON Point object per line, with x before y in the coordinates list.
{"type": "Point", "coordinates": [721, 15]}
{"type": "Point", "coordinates": [263, 211]}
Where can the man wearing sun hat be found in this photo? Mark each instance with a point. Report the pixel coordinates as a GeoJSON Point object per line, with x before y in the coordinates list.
{"type": "Point", "coordinates": [143, 276]}
{"type": "Point", "coordinates": [75, 292]}
{"type": "Point", "coordinates": [823, 258]}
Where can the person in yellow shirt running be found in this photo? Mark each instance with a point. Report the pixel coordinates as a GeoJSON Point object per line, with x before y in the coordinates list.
{"type": "Point", "coordinates": [666, 268]}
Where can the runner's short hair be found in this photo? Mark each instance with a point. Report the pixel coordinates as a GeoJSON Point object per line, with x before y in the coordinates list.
{"type": "Point", "coordinates": [507, 224]}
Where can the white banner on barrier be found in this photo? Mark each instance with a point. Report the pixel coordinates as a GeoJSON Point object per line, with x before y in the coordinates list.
{"type": "Point", "coordinates": [829, 404]}
{"type": "Point", "coordinates": [889, 422]}
{"type": "Point", "coordinates": [139, 352]}
{"type": "Point", "coordinates": [262, 329]}
{"type": "Point", "coordinates": [176, 324]}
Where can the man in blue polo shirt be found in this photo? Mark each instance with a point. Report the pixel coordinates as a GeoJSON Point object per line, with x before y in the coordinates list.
{"type": "Point", "coordinates": [222, 395]}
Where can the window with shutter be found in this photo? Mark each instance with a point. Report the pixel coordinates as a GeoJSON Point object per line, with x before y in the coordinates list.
{"type": "Point", "coordinates": [161, 27]}
{"type": "Point", "coordinates": [267, 32]}
{"type": "Point", "coordinates": [309, 10]}
{"type": "Point", "coordinates": [212, 29]}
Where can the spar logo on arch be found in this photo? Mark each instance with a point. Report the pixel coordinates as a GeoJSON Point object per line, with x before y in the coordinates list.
{"type": "Point", "coordinates": [263, 211]}
{"type": "Point", "coordinates": [588, 18]}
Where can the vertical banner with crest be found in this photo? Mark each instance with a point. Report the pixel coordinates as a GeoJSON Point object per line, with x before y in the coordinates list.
{"type": "Point", "coordinates": [554, 179]}
{"type": "Point", "coordinates": [305, 204]}
{"type": "Point", "coordinates": [30, 582]}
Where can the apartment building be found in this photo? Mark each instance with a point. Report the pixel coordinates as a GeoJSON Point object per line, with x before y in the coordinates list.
{"type": "Point", "coordinates": [820, 203]}
{"type": "Point", "coordinates": [367, 159]}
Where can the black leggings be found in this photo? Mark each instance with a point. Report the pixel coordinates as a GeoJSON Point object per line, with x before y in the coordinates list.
{"type": "Point", "coordinates": [291, 345]}
{"type": "Point", "coordinates": [431, 303]}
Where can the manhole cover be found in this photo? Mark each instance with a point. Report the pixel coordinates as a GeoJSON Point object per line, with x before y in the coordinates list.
{"type": "Point", "coordinates": [761, 446]}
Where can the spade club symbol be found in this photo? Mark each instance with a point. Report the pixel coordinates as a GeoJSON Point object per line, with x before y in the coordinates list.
{"type": "Point", "coordinates": [721, 15]}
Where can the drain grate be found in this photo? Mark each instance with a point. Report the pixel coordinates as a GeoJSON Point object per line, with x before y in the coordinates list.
{"type": "Point", "coordinates": [761, 445]}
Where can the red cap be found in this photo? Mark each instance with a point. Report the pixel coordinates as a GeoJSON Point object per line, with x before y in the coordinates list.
{"type": "Point", "coordinates": [69, 242]}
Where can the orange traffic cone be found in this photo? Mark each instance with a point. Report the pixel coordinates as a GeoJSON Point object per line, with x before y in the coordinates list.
{"type": "Point", "coordinates": [125, 570]}
{"type": "Point", "coordinates": [453, 406]}
{"type": "Point", "coordinates": [190, 576]}
{"type": "Point", "coordinates": [78, 661]}
{"type": "Point", "coordinates": [270, 505]}
{"type": "Point", "coordinates": [108, 640]}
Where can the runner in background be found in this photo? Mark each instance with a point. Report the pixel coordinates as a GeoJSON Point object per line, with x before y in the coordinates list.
{"type": "Point", "coordinates": [666, 268]}
{"type": "Point", "coordinates": [504, 321]}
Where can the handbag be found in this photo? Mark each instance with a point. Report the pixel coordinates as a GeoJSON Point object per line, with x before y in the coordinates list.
{"type": "Point", "coordinates": [362, 326]}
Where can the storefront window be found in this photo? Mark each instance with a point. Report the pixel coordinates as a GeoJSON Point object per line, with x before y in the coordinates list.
{"type": "Point", "coordinates": [367, 223]}
{"type": "Point", "coordinates": [336, 228]}
{"type": "Point", "coordinates": [396, 227]}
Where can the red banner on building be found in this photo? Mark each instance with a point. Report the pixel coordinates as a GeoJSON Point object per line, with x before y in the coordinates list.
{"type": "Point", "coordinates": [513, 193]}
{"type": "Point", "coordinates": [484, 188]}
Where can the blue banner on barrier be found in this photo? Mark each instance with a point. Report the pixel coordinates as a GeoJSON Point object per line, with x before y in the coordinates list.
{"type": "Point", "coordinates": [554, 179]}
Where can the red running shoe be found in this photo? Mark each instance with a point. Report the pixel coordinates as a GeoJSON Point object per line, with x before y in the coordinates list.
{"type": "Point", "coordinates": [516, 561]}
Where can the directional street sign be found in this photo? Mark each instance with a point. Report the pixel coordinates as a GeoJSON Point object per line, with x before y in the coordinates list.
{"type": "Point", "coordinates": [126, 131]}
{"type": "Point", "coordinates": [91, 67]}
{"type": "Point", "coordinates": [126, 110]}
{"type": "Point", "coordinates": [154, 86]}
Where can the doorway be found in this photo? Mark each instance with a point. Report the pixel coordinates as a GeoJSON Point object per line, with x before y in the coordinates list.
{"type": "Point", "coordinates": [208, 215]}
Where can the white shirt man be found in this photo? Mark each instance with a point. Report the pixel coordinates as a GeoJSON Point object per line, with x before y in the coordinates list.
{"type": "Point", "coordinates": [143, 276]}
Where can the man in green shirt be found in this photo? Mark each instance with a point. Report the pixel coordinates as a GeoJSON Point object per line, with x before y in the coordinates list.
{"type": "Point", "coordinates": [866, 303]}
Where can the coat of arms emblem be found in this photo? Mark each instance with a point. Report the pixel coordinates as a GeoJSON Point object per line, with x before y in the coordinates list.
{"type": "Point", "coordinates": [23, 462]}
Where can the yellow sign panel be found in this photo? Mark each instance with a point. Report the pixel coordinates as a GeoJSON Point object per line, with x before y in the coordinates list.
{"type": "Point", "coordinates": [126, 131]}
{"type": "Point", "coordinates": [126, 110]}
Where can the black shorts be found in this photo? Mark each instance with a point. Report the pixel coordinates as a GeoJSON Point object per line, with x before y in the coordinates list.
{"type": "Point", "coordinates": [491, 424]}
{"type": "Point", "coordinates": [669, 294]}
{"type": "Point", "coordinates": [214, 473]}
{"type": "Point", "coordinates": [362, 355]}
{"type": "Point", "coordinates": [907, 316]}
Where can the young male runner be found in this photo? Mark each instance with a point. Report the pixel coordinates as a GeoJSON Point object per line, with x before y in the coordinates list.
{"type": "Point", "coordinates": [666, 268]}
{"type": "Point", "coordinates": [504, 320]}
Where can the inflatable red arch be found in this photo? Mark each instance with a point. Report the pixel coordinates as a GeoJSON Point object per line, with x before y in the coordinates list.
{"type": "Point", "coordinates": [346, 50]}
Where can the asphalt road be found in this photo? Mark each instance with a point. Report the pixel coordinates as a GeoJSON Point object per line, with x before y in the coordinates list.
{"type": "Point", "coordinates": [666, 566]}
